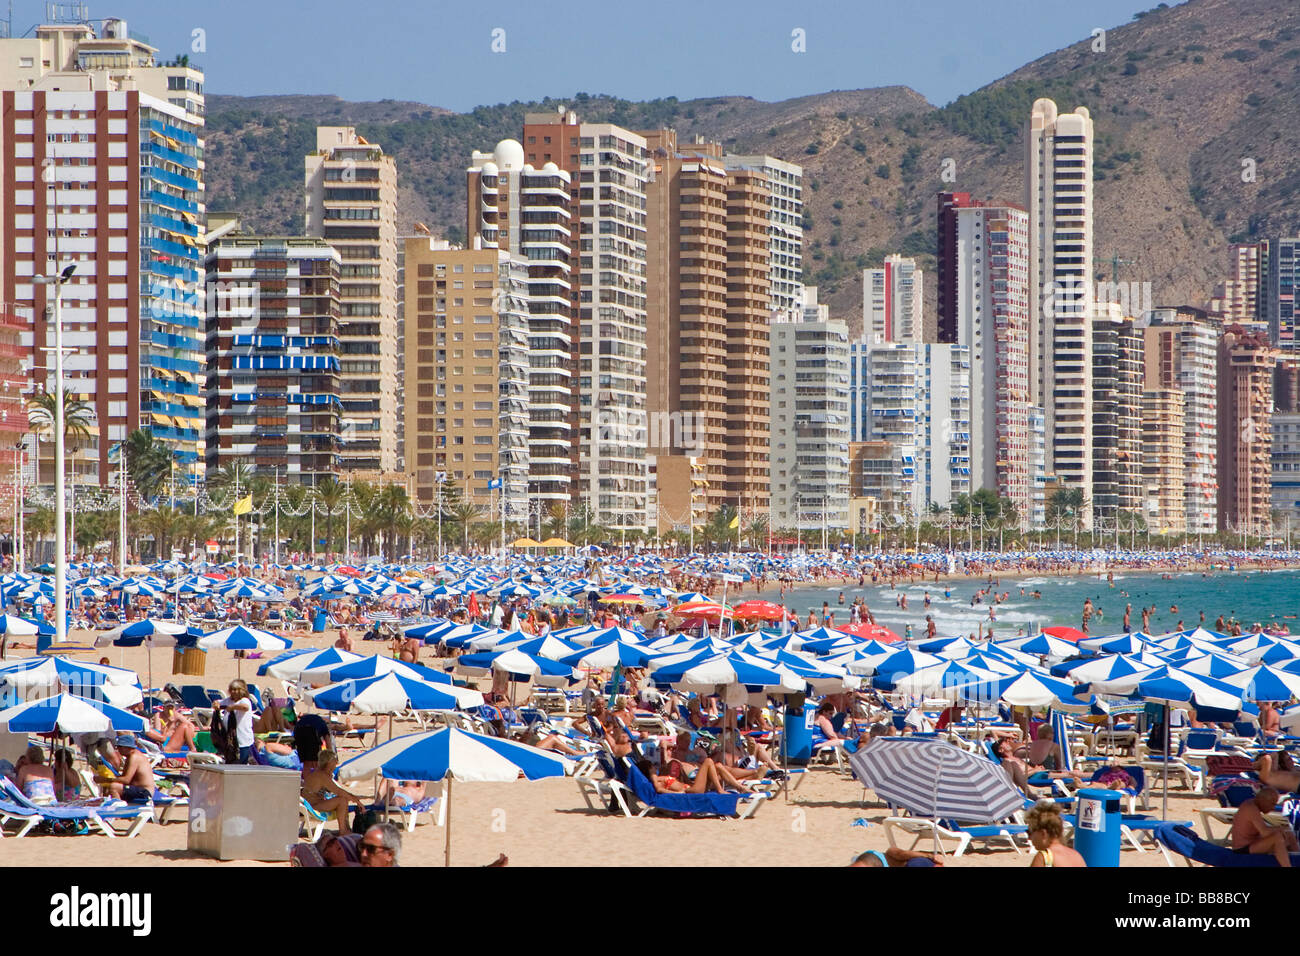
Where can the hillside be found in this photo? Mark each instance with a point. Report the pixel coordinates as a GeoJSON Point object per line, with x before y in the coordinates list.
{"type": "Point", "coordinates": [1180, 97]}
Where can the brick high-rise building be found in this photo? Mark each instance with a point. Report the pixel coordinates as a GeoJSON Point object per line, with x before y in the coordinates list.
{"type": "Point", "coordinates": [1058, 195]}
{"type": "Point", "coordinates": [686, 296]}
{"type": "Point", "coordinates": [101, 168]}
{"type": "Point", "coordinates": [750, 296]}
{"type": "Point", "coordinates": [1245, 436]}
{"type": "Point", "coordinates": [351, 202]}
{"type": "Point", "coordinates": [709, 314]}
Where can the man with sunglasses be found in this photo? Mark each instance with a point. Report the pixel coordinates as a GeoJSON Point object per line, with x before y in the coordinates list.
{"type": "Point", "coordinates": [381, 846]}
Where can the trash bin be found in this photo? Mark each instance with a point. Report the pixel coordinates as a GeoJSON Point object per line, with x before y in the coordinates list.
{"type": "Point", "coordinates": [190, 660]}
{"type": "Point", "coordinates": [243, 812]}
{"type": "Point", "coordinates": [318, 622]}
{"type": "Point", "coordinates": [798, 733]}
{"type": "Point", "coordinates": [1096, 830]}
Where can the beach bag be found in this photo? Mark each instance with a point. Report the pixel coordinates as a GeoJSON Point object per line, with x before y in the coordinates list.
{"type": "Point", "coordinates": [363, 820]}
{"type": "Point", "coordinates": [223, 737]}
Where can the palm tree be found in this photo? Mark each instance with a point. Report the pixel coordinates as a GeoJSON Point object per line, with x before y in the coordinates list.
{"type": "Point", "coordinates": [148, 462]}
{"type": "Point", "coordinates": [78, 419]}
{"type": "Point", "coordinates": [465, 513]}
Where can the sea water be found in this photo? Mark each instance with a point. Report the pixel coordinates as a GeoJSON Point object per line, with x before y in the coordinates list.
{"type": "Point", "coordinates": [1253, 597]}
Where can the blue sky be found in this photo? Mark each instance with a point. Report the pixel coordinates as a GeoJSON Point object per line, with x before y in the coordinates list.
{"type": "Point", "coordinates": [440, 53]}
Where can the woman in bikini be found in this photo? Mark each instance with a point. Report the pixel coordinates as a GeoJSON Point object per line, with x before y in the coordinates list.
{"type": "Point", "coordinates": [707, 778]}
{"type": "Point", "coordinates": [323, 792]}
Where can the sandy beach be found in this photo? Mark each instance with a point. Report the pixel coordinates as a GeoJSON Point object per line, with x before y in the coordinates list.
{"type": "Point", "coordinates": [546, 823]}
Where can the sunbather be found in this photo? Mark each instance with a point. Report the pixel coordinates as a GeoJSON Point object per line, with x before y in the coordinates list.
{"type": "Point", "coordinates": [1281, 775]}
{"type": "Point", "coordinates": [1047, 834]}
{"type": "Point", "coordinates": [707, 778]}
{"type": "Point", "coordinates": [1044, 755]}
{"type": "Point", "coordinates": [1251, 833]}
{"type": "Point", "coordinates": [401, 793]}
{"type": "Point", "coordinates": [135, 784]}
{"type": "Point", "coordinates": [35, 778]}
{"type": "Point", "coordinates": [324, 793]}
{"type": "Point", "coordinates": [177, 730]}
{"type": "Point", "coordinates": [67, 782]}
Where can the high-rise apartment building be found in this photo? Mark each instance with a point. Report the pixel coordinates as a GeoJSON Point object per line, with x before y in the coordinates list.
{"type": "Point", "coordinates": [1058, 196]}
{"type": "Point", "coordinates": [749, 322]}
{"type": "Point", "coordinates": [468, 368]}
{"type": "Point", "coordinates": [101, 169]}
{"type": "Point", "coordinates": [1245, 435]}
{"type": "Point", "coordinates": [1164, 499]}
{"type": "Point", "coordinates": [948, 449]}
{"type": "Point", "coordinates": [892, 301]}
{"type": "Point", "coordinates": [1282, 281]}
{"type": "Point", "coordinates": [984, 257]}
{"type": "Point", "coordinates": [351, 203]}
{"type": "Point", "coordinates": [885, 401]}
{"type": "Point", "coordinates": [1180, 352]}
{"type": "Point", "coordinates": [1286, 470]}
{"type": "Point", "coordinates": [709, 312]}
{"type": "Point", "coordinates": [810, 420]}
{"type": "Point", "coordinates": [1117, 378]}
{"type": "Point", "coordinates": [784, 185]}
{"type": "Point", "coordinates": [686, 296]}
{"type": "Point", "coordinates": [1241, 298]}
{"type": "Point", "coordinates": [609, 170]}
{"type": "Point", "coordinates": [526, 211]}
{"type": "Point", "coordinates": [273, 399]}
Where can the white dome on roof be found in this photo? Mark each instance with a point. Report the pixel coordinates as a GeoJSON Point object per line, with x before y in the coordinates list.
{"type": "Point", "coordinates": [550, 168]}
{"type": "Point", "coordinates": [509, 154]}
{"type": "Point", "coordinates": [489, 169]}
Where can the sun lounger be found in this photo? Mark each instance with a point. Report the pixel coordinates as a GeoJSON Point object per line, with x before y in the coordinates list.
{"type": "Point", "coordinates": [940, 830]}
{"type": "Point", "coordinates": [609, 792]}
{"type": "Point", "coordinates": [712, 804]}
{"type": "Point", "coordinates": [1182, 840]}
{"type": "Point", "coordinates": [15, 806]}
{"type": "Point", "coordinates": [312, 820]}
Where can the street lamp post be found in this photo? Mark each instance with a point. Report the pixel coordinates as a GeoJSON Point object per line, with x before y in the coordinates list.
{"type": "Point", "coordinates": [60, 505]}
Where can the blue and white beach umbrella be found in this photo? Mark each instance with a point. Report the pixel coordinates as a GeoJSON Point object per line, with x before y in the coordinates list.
{"type": "Point", "coordinates": [393, 694]}
{"type": "Point", "coordinates": [370, 667]}
{"type": "Point", "coordinates": [452, 754]}
{"type": "Point", "coordinates": [291, 664]}
{"type": "Point", "coordinates": [68, 714]}
{"type": "Point", "coordinates": [241, 638]}
{"type": "Point", "coordinates": [1266, 683]}
{"type": "Point", "coordinates": [520, 667]}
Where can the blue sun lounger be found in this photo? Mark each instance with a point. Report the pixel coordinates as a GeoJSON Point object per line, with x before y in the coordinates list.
{"type": "Point", "coordinates": [707, 804]}
{"type": "Point", "coordinates": [1182, 840]}
{"type": "Point", "coordinates": [15, 806]}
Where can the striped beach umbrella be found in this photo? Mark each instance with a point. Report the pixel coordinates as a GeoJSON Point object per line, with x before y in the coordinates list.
{"type": "Point", "coordinates": [452, 754]}
{"type": "Point", "coordinates": [932, 778]}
